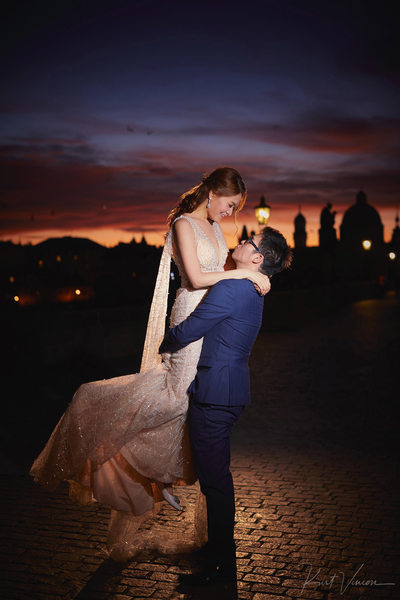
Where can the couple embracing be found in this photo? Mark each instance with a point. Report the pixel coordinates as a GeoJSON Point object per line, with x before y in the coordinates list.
{"type": "Point", "coordinates": [123, 441]}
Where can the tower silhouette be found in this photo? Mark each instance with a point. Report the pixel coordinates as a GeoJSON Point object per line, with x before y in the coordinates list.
{"type": "Point", "coordinates": [300, 234]}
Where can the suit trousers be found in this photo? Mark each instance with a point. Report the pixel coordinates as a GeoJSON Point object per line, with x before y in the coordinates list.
{"type": "Point", "coordinates": [210, 426]}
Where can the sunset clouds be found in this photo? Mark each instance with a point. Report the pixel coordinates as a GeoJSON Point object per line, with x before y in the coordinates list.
{"type": "Point", "coordinates": [111, 111]}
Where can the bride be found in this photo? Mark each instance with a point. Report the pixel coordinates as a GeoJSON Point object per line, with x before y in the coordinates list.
{"type": "Point", "coordinates": [123, 441]}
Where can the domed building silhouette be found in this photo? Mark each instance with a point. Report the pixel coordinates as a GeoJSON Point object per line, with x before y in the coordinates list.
{"type": "Point", "coordinates": [361, 222]}
{"type": "Point", "coordinates": [362, 248]}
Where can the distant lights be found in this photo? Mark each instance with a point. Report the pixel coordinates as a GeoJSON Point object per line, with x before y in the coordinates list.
{"type": "Point", "coordinates": [40, 262]}
{"type": "Point", "coordinates": [78, 292]}
{"type": "Point", "coordinates": [367, 244]}
{"type": "Point", "coordinates": [16, 298]}
{"type": "Point", "coordinates": [58, 258]}
{"type": "Point", "coordinates": [11, 279]}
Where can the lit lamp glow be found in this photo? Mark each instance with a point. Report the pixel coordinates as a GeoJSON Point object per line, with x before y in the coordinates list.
{"type": "Point", "coordinates": [367, 244]}
{"type": "Point", "coordinates": [78, 292]}
{"type": "Point", "coordinates": [16, 298]}
{"type": "Point", "coordinates": [262, 212]}
{"type": "Point", "coordinates": [392, 255]}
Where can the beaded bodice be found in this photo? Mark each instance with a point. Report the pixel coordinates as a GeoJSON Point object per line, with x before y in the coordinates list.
{"type": "Point", "coordinates": [210, 258]}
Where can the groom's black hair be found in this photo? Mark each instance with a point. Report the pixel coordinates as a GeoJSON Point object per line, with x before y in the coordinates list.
{"type": "Point", "coordinates": [276, 252]}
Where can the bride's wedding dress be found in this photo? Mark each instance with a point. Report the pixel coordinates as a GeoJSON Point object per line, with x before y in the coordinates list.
{"type": "Point", "coordinates": [119, 438]}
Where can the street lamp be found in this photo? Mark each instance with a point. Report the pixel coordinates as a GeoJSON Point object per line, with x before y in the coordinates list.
{"type": "Point", "coordinates": [262, 212]}
{"type": "Point", "coordinates": [367, 244]}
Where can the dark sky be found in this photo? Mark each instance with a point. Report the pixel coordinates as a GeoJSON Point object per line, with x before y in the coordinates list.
{"type": "Point", "coordinates": [110, 110]}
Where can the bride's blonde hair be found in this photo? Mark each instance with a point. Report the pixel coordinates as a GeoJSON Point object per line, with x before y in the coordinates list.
{"type": "Point", "coordinates": [224, 181]}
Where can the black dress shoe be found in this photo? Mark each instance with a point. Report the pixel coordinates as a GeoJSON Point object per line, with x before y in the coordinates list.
{"type": "Point", "coordinates": [209, 586]}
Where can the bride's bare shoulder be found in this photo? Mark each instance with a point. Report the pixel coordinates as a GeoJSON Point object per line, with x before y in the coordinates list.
{"type": "Point", "coordinates": [182, 221]}
{"type": "Point", "coordinates": [182, 227]}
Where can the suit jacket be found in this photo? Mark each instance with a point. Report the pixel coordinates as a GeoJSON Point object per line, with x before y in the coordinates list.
{"type": "Point", "coordinates": [229, 318]}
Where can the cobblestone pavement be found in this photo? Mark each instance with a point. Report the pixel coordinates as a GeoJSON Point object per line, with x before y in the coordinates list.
{"type": "Point", "coordinates": [315, 478]}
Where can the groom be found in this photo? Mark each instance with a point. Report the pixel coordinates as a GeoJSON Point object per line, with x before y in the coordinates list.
{"type": "Point", "coordinates": [229, 318]}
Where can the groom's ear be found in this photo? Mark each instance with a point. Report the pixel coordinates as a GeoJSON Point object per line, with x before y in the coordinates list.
{"type": "Point", "coordinates": [257, 259]}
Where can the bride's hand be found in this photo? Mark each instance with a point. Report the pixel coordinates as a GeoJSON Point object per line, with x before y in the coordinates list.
{"type": "Point", "coordinates": [261, 282]}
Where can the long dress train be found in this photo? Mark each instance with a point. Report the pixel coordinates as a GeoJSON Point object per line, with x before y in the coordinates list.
{"type": "Point", "coordinates": [120, 437]}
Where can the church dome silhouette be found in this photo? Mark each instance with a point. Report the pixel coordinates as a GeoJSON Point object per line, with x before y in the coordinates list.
{"type": "Point", "coordinates": [361, 222]}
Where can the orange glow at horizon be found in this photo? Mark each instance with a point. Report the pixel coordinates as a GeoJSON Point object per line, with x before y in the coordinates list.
{"type": "Point", "coordinates": [278, 219]}
{"type": "Point", "coordinates": [112, 237]}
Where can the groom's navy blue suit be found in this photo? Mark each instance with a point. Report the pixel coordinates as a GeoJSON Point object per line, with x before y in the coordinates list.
{"type": "Point", "coordinates": [229, 318]}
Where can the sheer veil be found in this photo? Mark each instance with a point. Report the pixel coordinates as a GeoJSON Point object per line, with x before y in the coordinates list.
{"type": "Point", "coordinates": [158, 311]}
